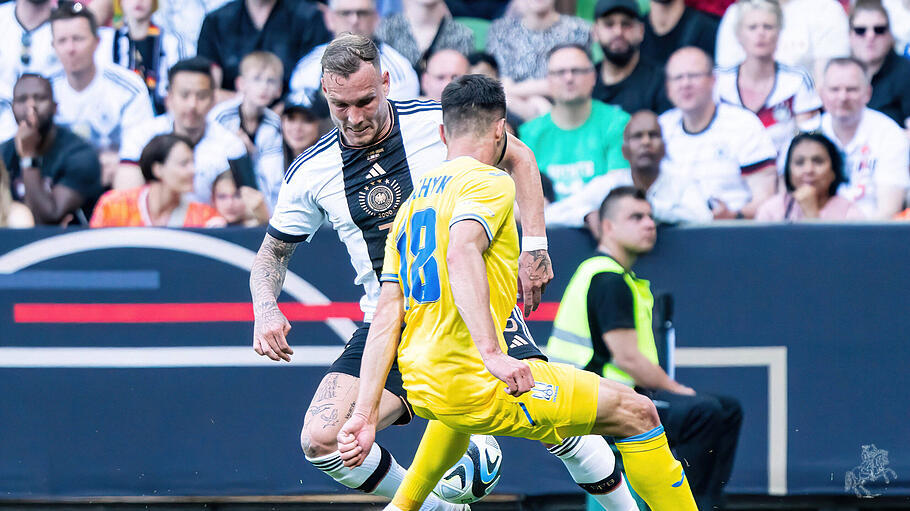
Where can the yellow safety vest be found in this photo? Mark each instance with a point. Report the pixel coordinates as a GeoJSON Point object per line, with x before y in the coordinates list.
{"type": "Point", "coordinates": [571, 341]}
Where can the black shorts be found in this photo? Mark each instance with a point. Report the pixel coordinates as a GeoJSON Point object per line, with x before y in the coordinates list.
{"type": "Point", "coordinates": [517, 336]}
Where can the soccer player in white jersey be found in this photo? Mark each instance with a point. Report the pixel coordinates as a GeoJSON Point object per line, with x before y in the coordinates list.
{"type": "Point", "coordinates": [875, 148]}
{"type": "Point", "coordinates": [97, 102]}
{"type": "Point", "coordinates": [357, 176]}
{"type": "Point", "coordinates": [722, 148]}
{"type": "Point", "coordinates": [356, 17]}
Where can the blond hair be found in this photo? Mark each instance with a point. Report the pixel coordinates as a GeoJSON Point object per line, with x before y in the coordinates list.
{"type": "Point", "coordinates": [261, 60]}
{"type": "Point", "coordinates": [772, 6]}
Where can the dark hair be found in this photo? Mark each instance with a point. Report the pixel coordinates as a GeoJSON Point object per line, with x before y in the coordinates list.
{"type": "Point", "coordinates": [481, 56]}
{"type": "Point", "coordinates": [563, 46]}
{"type": "Point", "coordinates": [36, 76]}
{"type": "Point", "coordinates": [620, 192]}
{"type": "Point", "coordinates": [347, 52]}
{"type": "Point", "coordinates": [869, 5]}
{"type": "Point", "coordinates": [157, 151]}
{"type": "Point", "coordinates": [69, 10]}
{"type": "Point", "coordinates": [837, 160]}
{"type": "Point", "coordinates": [199, 65]}
{"type": "Point", "coordinates": [472, 102]}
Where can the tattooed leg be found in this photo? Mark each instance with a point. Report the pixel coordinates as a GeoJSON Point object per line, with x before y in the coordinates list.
{"type": "Point", "coordinates": [379, 473]}
{"type": "Point", "coordinates": [333, 403]}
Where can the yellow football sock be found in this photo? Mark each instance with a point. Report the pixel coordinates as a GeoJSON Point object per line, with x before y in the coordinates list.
{"type": "Point", "coordinates": [439, 449]}
{"type": "Point", "coordinates": [654, 473]}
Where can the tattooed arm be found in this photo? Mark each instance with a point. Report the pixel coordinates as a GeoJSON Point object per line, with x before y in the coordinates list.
{"type": "Point", "coordinates": [534, 267]}
{"type": "Point", "coordinates": [266, 280]}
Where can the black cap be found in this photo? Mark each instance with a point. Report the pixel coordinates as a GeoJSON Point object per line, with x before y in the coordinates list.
{"type": "Point", "coordinates": [605, 7]}
{"type": "Point", "coordinates": [298, 102]}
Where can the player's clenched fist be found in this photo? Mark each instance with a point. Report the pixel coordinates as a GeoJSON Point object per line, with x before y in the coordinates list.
{"type": "Point", "coordinates": [355, 440]}
{"type": "Point", "coordinates": [513, 372]}
{"type": "Point", "coordinates": [270, 334]}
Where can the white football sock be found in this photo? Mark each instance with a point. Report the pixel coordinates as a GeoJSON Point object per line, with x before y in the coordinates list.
{"type": "Point", "coordinates": [592, 465]}
{"type": "Point", "coordinates": [379, 474]}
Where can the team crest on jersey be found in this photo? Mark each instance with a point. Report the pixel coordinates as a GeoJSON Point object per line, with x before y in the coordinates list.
{"type": "Point", "coordinates": [381, 197]}
{"type": "Point", "coordinates": [544, 391]}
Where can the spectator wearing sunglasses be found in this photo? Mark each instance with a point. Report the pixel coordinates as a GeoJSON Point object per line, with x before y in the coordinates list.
{"type": "Point", "coordinates": [25, 36]}
{"type": "Point", "coordinates": [872, 44]}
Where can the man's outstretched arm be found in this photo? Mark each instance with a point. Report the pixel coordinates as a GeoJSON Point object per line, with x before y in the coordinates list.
{"type": "Point", "coordinates": [266, 280]}
{"type": "Point", "coordinates": [471, 291]}
{"type": "Point", "coordinates": [534, 267]}
{"type": "Point", "coordinates": [357, 435]}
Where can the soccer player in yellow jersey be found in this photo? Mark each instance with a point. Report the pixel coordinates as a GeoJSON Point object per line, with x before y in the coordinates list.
{"type": "Point", "coordinates": [450, 275]}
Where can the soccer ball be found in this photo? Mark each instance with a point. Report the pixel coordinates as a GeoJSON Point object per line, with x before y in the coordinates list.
{"type": "Point", "coordinates": [476, 473]}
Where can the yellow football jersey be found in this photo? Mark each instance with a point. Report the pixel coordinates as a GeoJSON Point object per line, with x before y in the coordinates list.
{"type": "Point", "coordinates": [440, 365]}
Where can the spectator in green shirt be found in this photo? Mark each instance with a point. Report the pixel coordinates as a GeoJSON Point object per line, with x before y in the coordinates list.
{"type": "Point", "coordinates": [581, 138]}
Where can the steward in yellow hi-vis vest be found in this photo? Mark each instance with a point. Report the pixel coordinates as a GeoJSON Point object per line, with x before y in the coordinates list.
{"type": "Point", "coordinates": [604, 326]}
{"type": "Point", "coordinates": [571, 341]}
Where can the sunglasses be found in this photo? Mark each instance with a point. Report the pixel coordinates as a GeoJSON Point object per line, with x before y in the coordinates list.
{"type": "Point", "coordinates": [877, 29]}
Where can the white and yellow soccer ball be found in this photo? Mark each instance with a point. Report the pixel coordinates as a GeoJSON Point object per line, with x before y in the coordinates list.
{"type": "Point", "coordinates": [476, 473]}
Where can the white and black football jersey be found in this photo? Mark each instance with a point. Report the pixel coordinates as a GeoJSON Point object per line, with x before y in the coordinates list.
{"type": "Point", "coordinates": [358, 190]}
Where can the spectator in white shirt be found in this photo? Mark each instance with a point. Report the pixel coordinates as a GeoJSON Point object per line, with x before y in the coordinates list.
{"type": "Point", "coordinates": [183, 18]}
{"type": "Point", "coordinates": [722, 148]}
{"type": "Point", "coordinates": [876, 149]}
{"type": "Point", "coordinates": [782, 96]}
{"type": "Point", "coordinates": [813, 32]}
{"type": "Point", "coordinates": [25, 36]}
{"type": "Point", "coordinates": [249, 116]}
{"type": "Point", "coordinates": [357, 17]}
{"type": "Point", "coordinates": [95, 101]}
{"type": "Point", "coordinates": [191, 95]}
{"type": "Point", "coordinates": [674, 200]}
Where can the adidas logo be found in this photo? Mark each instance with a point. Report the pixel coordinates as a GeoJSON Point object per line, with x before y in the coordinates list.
{"type": "Point", "coordinates": [376, 171]}
{"type": "Point", "coordinates": [518, 341]}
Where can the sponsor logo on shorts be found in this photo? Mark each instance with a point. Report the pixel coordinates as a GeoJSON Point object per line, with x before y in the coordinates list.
{"type": "Point", "coordinates": [544, 391]}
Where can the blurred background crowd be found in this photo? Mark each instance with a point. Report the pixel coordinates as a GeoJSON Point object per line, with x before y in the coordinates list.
{"type": "Point", "coordinates": [186, 113]}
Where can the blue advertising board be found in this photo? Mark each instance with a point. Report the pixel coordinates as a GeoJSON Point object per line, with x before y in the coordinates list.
{"type": "Point", "coordinates": [126, 367]}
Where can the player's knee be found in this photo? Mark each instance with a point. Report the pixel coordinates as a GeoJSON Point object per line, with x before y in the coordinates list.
{"type": "Point", "coordinates": [318, 442]}
{"type": "Point", "coordinates": [644, 413]}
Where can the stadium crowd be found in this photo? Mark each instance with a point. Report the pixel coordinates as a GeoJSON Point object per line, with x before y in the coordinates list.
{"type": "Point", "coordinates": [95, 82]}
